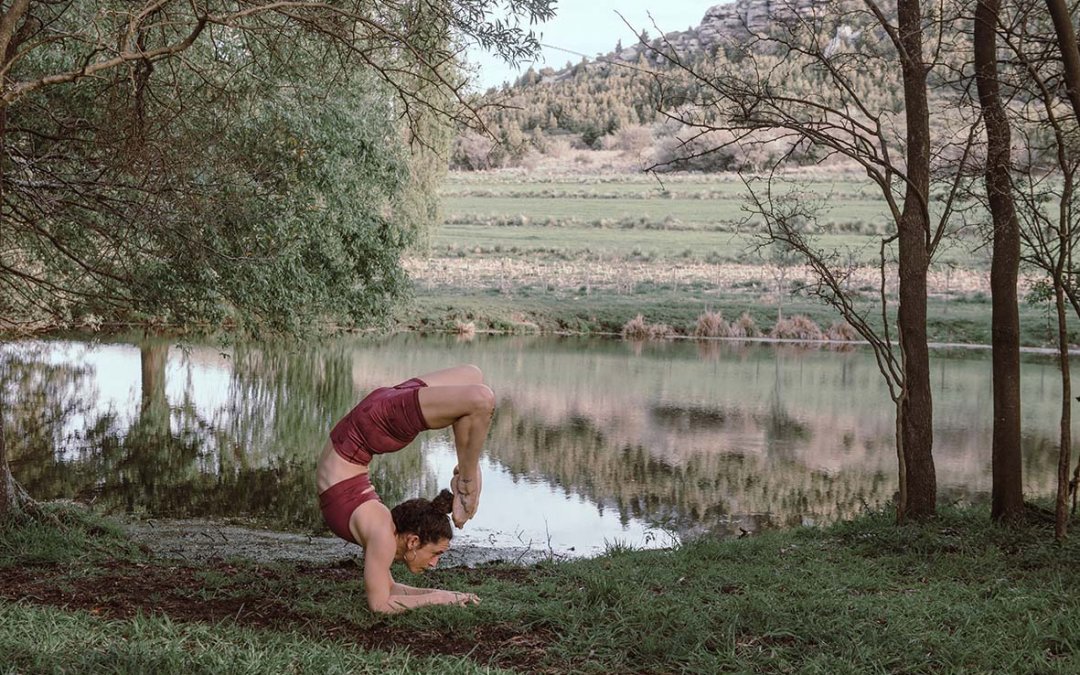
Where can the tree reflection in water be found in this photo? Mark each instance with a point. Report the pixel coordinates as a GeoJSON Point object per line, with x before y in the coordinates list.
{"type": "Point", "coordinates": [683, 438]}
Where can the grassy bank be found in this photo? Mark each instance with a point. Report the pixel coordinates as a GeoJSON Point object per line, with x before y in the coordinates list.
{"type": "Point", "coordinates": [954, 595]}
{"type": "Point", "coordinates": [533, 310]}
{"type": "Point", "coordinates": [587, 253]}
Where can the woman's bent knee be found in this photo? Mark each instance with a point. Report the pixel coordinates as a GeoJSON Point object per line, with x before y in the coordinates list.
{"type": "Point", "coordinates": [481, 399]}
{"type": "Point", "coordinates": [472, 373]}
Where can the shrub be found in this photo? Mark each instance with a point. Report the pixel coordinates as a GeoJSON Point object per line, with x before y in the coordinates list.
{"type": "Point", "coordinates": [660, 331]}
{"type": "Point", "coordinates": [841, 331]}
{"type": "Point", "coordinates": [798, 327]}
{"type": "Point", "coordinates": [635, 329]}
{"type": "Point", "coordinates": [640, 329]}
{"type": "Point", "coordinates": [466, 330]}
{"type": "Point", "coordinates": [744, 326]}
{"type": "Point", "coordinates": [711, 324]}
{"type": "Point", "coordinates": [632, 140]}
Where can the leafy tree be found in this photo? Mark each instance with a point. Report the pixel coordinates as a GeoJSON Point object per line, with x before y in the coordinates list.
{"type": "Point", "coordinates": [258, 143]}
{"type": "Point", "coordinates": [224, 162]}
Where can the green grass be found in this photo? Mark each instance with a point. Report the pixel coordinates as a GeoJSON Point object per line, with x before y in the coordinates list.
{"type": "Point", "coordinates": [692, 211]}
{"type": "Point", "coordinates": [952, 595]}
{"type": "Point", "coordinates": [49, 640]}
{"type": "Point", "coordinates": [606, 312]}
{"type": "Point", "coordinates": [635, 248]}
{"type": "Point", "coordinates": [637, 243]}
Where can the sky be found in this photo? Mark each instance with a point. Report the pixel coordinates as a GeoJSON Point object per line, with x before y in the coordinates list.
{"type": "Point", "coordinates": [592, 26]}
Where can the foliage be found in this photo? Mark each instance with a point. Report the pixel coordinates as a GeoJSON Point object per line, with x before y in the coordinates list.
{"type": "Point", "coordinates": [640, 88]}
{"type": "Point", "coordinates": [224, 165]}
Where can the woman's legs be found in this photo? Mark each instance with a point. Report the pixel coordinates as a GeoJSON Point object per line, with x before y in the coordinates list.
{"type": "Point", "coordinates": [467, 374]}
{"type": "Point", "coordinates": [457, 397]}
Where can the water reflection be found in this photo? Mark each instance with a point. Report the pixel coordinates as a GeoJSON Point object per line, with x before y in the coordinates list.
{"type": "Point", "coordinates": [594, 441]}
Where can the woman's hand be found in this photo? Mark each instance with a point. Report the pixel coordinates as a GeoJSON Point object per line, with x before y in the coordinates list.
{"type": "Point", "coordinates": [461, 599]}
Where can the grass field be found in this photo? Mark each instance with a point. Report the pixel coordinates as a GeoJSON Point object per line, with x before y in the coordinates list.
{"type": "Point", "coordinates": [953, 595]}
{"type": "Point", "coordinates": [683, 209]}
{"type": "Point", "coordinates": [588, 252]}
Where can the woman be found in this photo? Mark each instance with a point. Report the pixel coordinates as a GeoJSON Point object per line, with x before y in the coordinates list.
{"type": "Point", "coordinates": [416, 532]}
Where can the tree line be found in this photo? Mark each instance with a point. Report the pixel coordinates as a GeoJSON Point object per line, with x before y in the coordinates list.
{"type": "Point", "coordinates": [987, 125]}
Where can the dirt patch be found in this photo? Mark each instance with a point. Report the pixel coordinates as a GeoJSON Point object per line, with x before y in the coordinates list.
{"type": "Point", "coordinates": [122, 590]}
{"type": "Point", "coordinates": [198, 540]}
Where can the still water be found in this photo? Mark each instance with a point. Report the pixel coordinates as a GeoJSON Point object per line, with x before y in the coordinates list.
{"type": "Point", "coordinates": [595, 442]}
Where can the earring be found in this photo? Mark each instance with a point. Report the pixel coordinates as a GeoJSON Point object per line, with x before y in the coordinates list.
{"type": "Point", "coordinates": [407, 558]}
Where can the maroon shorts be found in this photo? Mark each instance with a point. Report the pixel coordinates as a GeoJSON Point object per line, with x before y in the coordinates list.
{"type": "Point", "coordinates": [338, 502]}
{"type": "Point", "coordinates": [386, 420]}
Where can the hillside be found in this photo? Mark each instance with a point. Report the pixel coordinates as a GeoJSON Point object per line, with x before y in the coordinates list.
{"type": "Point", "coordinates": [614, 101]}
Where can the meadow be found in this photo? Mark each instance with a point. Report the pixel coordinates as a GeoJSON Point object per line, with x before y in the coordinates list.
{"type": "Point", "coordinates": [588, 252]}
{"type": "Point", "coordinates": [953, 595]}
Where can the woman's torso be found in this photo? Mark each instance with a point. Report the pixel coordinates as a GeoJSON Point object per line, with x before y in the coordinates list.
{"type": "Point", "coordinates": [333, 468]}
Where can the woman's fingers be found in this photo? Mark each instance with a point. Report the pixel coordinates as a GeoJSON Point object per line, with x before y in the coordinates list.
{"type": "Point", "coordinates": [466, 599]}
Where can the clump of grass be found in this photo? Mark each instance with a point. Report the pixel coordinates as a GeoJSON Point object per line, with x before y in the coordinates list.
{"type": "Point", "coordinates": [464, 329]}
{"type": "Point", "coordinates": [711, 325]}
{"type": "Point", "coordinates": [744, 327]}
{"type": "Point", "coordinates": [841, 331]}
{"type": "Point", "coordinates": [798, 327]}
{"type": "Point", "coordinates": [640, 329]}
{"type": "Point", "coordinates": [61, 532]}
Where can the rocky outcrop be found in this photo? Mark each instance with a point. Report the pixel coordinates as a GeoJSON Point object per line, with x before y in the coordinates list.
{"type": "Point", "coordinates": [727, 22]}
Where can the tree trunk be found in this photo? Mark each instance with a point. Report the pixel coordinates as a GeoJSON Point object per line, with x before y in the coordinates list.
{"type": "Point", "coordinates": [1070, 54]}
{"type": "Point", "coordinates": [154, 413]}
{"type": "Point", "coordinates": [8, 503]}
{"type": "Point", "coordinates": [1061, 510]}
{"type": "Point", "coordinates": [1007, 498]}
{"type": "Point", "coordinates": [914, 257]}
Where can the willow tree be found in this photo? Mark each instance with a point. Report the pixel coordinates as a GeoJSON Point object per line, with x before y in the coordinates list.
{"type": "Point", "coordinates": [220, 163]}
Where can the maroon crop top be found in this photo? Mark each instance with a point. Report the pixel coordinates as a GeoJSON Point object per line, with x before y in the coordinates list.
{"type": "Point", "coordinates": [386, 420]}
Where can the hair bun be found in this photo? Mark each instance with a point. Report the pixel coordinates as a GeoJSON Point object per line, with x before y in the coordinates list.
{"type": "Point", "coordinates": [444, 502]}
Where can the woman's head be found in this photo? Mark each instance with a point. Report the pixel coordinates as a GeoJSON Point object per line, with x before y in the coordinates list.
{"type": "Point", "coordinates": [423, 527]}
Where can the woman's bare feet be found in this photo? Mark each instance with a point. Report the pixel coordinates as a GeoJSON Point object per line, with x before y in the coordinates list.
{"type": "Point", "coordinates": [466, 497]}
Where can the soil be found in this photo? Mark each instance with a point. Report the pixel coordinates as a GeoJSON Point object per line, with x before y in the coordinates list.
{"type": "Point", "coordinates": [198, 540]}
{"type": "Point", "coordinates": [183, 552]}
{"type": "Point", "coordinates": [123, 590]}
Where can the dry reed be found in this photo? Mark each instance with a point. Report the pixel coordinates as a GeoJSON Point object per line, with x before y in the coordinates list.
{"type": "Point", "coordinates": [841, 331]}
{"type": "Point", "coordinates": [640, 329]}
{"type": "Point", "coordinates": [711, 325]}
{"type": "Point", "coordinates": [798, 327]}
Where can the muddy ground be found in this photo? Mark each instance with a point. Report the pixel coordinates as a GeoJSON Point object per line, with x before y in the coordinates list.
{"type": "Point", "coordinates": [189, 548]}
{"type": "Point", "coordinates": [210, 540]}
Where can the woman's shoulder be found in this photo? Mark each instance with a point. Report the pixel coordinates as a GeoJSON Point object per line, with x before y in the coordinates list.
{"type": "Point", "coordinates": [371, 520]}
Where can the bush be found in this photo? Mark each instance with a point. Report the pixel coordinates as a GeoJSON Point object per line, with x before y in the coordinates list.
{"type": "Point", "coordinates": [640, 329]}
{"type": "Point", "coordinates": [798, 327]}
{"type": "Point", "coordinates": [745, 326]}
{"type": "Point", "coordinates": [476, 152]}
{"type": "Point", "coordinates": [841, 331]}
{"type": "Point", "coordinates": [712, 325]}
{"type": "Point", "coordinates": [464, 329]}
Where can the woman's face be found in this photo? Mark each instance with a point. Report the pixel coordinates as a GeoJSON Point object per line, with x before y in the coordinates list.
{"type": "Point", "coordinates": [427, 556]}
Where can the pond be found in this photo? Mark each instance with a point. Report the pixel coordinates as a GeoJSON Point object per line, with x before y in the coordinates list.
{"type": "Point", "coordinates": [595, 442]}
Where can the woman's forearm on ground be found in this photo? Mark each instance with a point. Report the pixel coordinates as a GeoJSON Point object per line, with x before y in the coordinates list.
{"type": "Point", "coordinates": [401, 602]}
{"type": "Point", "coordinates": [402, 589]}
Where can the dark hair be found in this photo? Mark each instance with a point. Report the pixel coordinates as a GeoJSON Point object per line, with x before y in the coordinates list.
{"type": "Point", "coordinates": [428, 520]}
